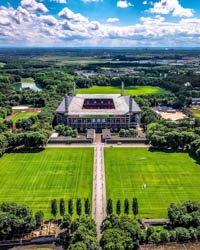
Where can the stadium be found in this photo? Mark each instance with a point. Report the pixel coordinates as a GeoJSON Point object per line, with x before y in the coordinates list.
{"type": "Point", "coordinates": [99, 111]}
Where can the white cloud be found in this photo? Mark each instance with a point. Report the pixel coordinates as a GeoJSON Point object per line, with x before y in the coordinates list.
{"type": "Point", "coordinates": [112, 20]}
{"type": "Point", "coordinates": [49, 20]}
{"type": "Point", "coordinates": [145, 2]}
{"type": "Point", "coordinates": [22, 26]}
{"type": "Point", "coordinates": [67, 14]}
{"type": "Point", "coordinates": [124, 4]}
{"type": "Point", "coordinates": [33, 5]}
{"type": "Point", "coordinates": [167, 6]}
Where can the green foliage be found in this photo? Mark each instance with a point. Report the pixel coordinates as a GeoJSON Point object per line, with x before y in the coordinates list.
{"type": "Point", "coordinates": [39, 216]}
{"type": "Point", "coordinates": [78, 207]}
{"type": "Point", "coordinates": [70, 207]}
{"type": "Point", "coordinates": [15, 219]}
{"type": "Point", "coordinates": [182, 234]}
{"type": "Point", "coordinates": [87, 206]}
{"type": "Point", "coordinates": [128, 133]}
{"type": "Point", "coordinates": [82, 233]}
{"type": "Point", "coordinates": [164, 236]}
{"type": "Point", "coordinates": [123, 233]}
{"type": "Point", "coordinates": [66, 130]}
{"type": "Point", "coordinates": [62, 207]}
{"type": "Point", "coordinates": [109, 208]}
{"type": "Point", "coordinates": [54, 210]}
{"type": "Point", "coordinates": [135, 206]}
{"type": "Point", "coordinates": [118, 207]}
{"type": "Point", "coordinates": [154, 238]}
{"type": "Point", "coordinates": [126, 206]}
{"type": "Point", "coordinates": [66, 222]}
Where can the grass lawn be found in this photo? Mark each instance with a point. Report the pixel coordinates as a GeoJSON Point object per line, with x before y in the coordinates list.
{"type": "Point", "coordinates": [27, 79]}
{"type": "Point", "coordinates": [134, 90]}
{"type": "Point", "coordinates": [197, 112]}
{"type": "Point", "coordinates": [169, 177]}
{"type": "Point", "coordinates": [21, 115]}
{"type": "Point", "coordinates": [38, 177]}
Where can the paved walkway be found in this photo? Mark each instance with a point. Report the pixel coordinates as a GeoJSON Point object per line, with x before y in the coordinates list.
{"type": "Point", "coordinates": [99, 189]}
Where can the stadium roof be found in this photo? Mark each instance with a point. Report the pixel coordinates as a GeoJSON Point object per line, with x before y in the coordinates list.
{"type": "Point", "coordinates": [75, 104]}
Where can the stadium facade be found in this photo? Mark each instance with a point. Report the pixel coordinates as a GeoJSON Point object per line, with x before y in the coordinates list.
{"type": "Point", "coordinates": [99, 111]}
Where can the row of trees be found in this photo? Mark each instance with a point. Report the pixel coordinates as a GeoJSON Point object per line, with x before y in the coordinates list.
{"type": "Point", "coordinates": [184, 134]}
{"type": "Point", "coordinates": [16, 220]}
{"type": "Point", "coordinates": [79, 233]}
{"type": "Point", "coordinates": [122, 232]}
{"type": "Point", "coordinates": [128, 132]}
{"type": "Point", "coordinates": [66, 130]}
{"type": "Point", "coordinates": [109, 208]}
{"type": "Point", "coordinates": [70, 207]}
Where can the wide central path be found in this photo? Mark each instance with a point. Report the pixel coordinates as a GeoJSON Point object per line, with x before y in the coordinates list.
{"type": "Point", "coordinates": [99, 188]}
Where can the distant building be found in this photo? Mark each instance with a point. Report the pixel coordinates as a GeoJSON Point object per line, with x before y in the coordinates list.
{"type": "Point", "coordinates": [166, 109]}
{"type": "Point", "coordinates": [196, 101]}
{"type": "Point", "coordinates": [187, 84]}
{"type": "Point", "coordinates": [99, 111]}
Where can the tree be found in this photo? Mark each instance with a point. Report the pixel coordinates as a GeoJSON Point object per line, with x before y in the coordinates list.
{"type": "Point", "coordinates": [62, 207]}
{"type": "Point", "coordinates": [54, 208]}
{"type": "Point", "coordinates": [126, 206]}
{"type": "Point", "coordinates": [164, 236]}
{"type": "Point", "coordinates": [39, 216]}
{"type": "Point", "coordinates": [70, 207]}
{"type": "Point", "coordinates": [118, 207]}
{"type": "Point", "coordinates": [182, 234]}
{"type": "Point", "coordinates": [78, 207]}
{"type": "Point", "coordinates": [135, 207]}
{"type": "Point", "coordinates": [154, 238]}
{"type": "Point", "coordinates": [15, 219]}
{"type": "Point", "coordinates": [78, 246]}
{"type": "Point", "coordinates": [66, 222]}
{"type": "Point", "coordinates": [87, 206]}
{"type": "Point", "coordinates": [109, 208]}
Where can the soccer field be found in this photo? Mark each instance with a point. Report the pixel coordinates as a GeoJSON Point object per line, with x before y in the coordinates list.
{"type": "Point", "coordinates": [197, 112]}
{"type": "Point", "coordinates": [37, 178]}
{"type": "Point", "coordinates": [169, 178]}
{"type": "Point", "coordinates": [22, 115]}
{"type": "Point", "coordinates": [134, 90]}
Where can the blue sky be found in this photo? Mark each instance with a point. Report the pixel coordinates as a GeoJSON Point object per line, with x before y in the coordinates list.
{"type": "Point", "coordinates": [110, 23]}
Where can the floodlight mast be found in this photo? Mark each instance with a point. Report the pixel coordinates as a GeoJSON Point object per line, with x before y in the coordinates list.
{"type": "Point", "coordinates": [74, 89]}
{"type": "Point", "coordinates": [122, 89]}
{"type": "Point", "coordinates": [66, 104]}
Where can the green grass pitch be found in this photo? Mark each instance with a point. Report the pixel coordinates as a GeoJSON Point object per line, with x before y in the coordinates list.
{"type": "Point", "coordinates": [134, 90]}
{"type": "Point", "coordinates": [169, 177]}
{"type": "Point", "coordinates": [22, 115]}
{"type": "Point", "coordinates": [197, 112]}
{"type": "Point", "coordinates": [36, 178]}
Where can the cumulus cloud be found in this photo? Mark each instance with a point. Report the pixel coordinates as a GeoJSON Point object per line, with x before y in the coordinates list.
{"type": "Point", "coordinates": [33, 5]}
{"type": "Point", "coordinates": [67, 14]}
{"type": "Point", "coordinates": [145, 2]}
{"type": "Point", "coordinates": [167, 6]}
{"type": "Point", "coordinates": [49, 20]}
{"type": "Point", "coordinates": [23, 26]}
{"type": "Point", "coordinates": [124, 4]}
{"type": "Point", "coordinates": [112, 20]}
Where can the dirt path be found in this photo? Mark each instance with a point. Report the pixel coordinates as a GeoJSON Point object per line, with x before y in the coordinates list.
{"type": "Point", "coordinates": [99, 189]}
